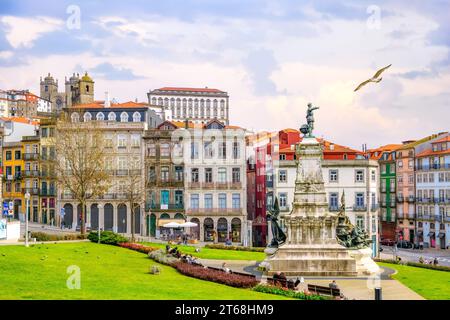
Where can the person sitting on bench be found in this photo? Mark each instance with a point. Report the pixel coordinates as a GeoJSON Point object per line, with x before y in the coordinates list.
{"type": "Point", "coordinates": [333, 285]}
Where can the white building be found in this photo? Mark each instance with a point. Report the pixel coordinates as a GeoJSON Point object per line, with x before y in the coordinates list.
{"type": "Point", "coordinates": [199, 105]}
{"type": "Point", "coordinates": [216, 182]}
{"type": "Point", "coordinates": [433, 194]}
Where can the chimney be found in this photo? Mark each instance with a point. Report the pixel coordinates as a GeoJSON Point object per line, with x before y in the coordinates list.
{"type": "Point", "coordinates": [107, 102]}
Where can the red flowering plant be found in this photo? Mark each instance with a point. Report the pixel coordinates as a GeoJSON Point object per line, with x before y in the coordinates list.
{"type": "Point", "coordinates": [137, 247]}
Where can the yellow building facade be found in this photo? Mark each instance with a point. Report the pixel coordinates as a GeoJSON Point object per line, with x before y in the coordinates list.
{"type": "Point", "coordinates": [13, 184]}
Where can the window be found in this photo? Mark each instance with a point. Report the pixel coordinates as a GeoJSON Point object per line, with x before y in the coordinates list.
{"type": "Point", "coordinates": [282, 176]}
{"type": "Point", "coordinates": [124, 117]}
{"type": "Point", "coordinates": [87, 116]}
{"type": "Point", "coordinates": [222, 175]}
{"type": "Point", "coordinates": [135, 141]}
{"type": "Point", "coordinates": [44, 132]}
{"type": "Point", "coordinates": [333, 175]}
{"type": "Point", "coordinates": [179, 173]}
{"type": "Point", "coordinates": [223, 150]}
{"type": "Point", "coordinates": [374, 224]}
{"type": "Point", "coordinates": [360, 222]}
{"type": "Point", "coordinates": [75, 117]}
{"type": "Point", "coordinates": [411, 178]}
{"type": "Point", "coordinates": [136, 117]}
{"type": "Point", "coordinates": [282, 156]}
{"type": "Point", "coordinates": [383, 168]}
{"type": "Point", "coordinates": [431, 177]}
{"type": "Point", "coordinates": [359, 200]}
{"type": "Point", "coordinates": [359, 176]}
{"type": "Point", "coordinates": [151, 150]}
{"type": "Point", "coordinates": [222, 200]}
{"type": "Point", "coordinates": [283, 200]}
{"type": "Point", "coordinates": [111, 116]}
{"type": "Point", "coordinates": [164, 149]}
{"type": "Point", "coordinates": [236, 172]}
{"type": "Point", "coordinates": [236, 150]}
{"type": "Point", "coordinates": [208, 200]}
{"type": "Point", "coordinates": [121, 141]}
{"type": "Point", "coordinates": [100, 116]}
{"type": "Point", "coordinates": [194, 174]}
{"type": "Point", "coordinates": [164, 174]}
{"type": "Point", "coordinates": [194, 150]}
{"type": "Point", "coordinates": [194, 201]}
{"type": "Point", "coordinates": [208, 175]}
{"type": "Point", "coordinates": [410, 163]}
{"type": "Point", "coordinates": [374, 178]}
{"type": "Point", "coordinates": [236, 200]}
{"type": "Point", "coordinates": [208, 149]}
{"type": "Point", "coordinates": [179, 198]}
{"type": "Point", "coordinates": [17, 155]}
{"type": "Point", "coordinates": [152, 174]}
{"type": "Point", "coordinates": [8, 155]}
{"type": "Point", "coordinates": [334, 200]}
{"type": "Point", "coordinates": [419, 178]}
{"type": "Point", "coordinates": [122, 163]}
{"type": "Point", "coordinates": [400, 163]}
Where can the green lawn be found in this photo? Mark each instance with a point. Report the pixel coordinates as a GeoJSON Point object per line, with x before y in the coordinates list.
{"type": "Point", "coordinates": [107, 272]}
{"type": "Point", "coordinates": [216, 254]}
{"type": "Point", "coordinates": [430, 284]}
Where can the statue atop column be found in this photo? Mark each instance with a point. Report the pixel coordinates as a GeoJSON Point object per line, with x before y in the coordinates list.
{"type": "Point", "coordinates": [308, 128]}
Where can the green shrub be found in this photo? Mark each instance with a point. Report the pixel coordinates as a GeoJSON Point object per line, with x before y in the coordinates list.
{"type": "Point", "coordinates": [287, 293]}
{"type": "Point", "coordinates": [107, 237]}
{"type": "Point", "coordinates": [42, 236]}
{"type": "Point", "coordinates": [236, 248]}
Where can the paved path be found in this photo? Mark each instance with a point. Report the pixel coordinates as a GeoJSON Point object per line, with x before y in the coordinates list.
{"type": "Point", "coordinates": [443, 256]}
{"type": "Point", "coordinates": [353, 288]}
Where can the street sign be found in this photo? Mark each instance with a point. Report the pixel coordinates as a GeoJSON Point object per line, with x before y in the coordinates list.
{"type": "Point", "coordinates": [10, 212]}
{"type": "Point", "coordinates": [5, 205]}
{"type": "Point", "coordinates": [11, 205]}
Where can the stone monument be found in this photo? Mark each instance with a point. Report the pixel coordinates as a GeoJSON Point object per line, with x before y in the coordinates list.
{"type": "Point", "coordinates": [311, 246]}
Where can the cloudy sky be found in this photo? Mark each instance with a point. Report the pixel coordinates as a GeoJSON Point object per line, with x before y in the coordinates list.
{"type": "Point", "coordinates": [272, 57]}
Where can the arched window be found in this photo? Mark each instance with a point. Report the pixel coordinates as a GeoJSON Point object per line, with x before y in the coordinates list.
{"type": "Point", "coordinates": [160, 101]}
{"type": "Point", "coordinates": [184, 102]}
{"type": "Point", "coordinates": [172, 102]}
{"type": "Point", "coordinates": [75, 117]}
{"type": "Point", "coordinates": [178, 102]}
{"type": "Point", "coordinates": [124, 117]}
{"type": "Point", "coordinates": [222, 103]}
{"type": "Point", "coordinates": [166, 102]}
{"type": "Point", "coordinates": [154, 101]}
{"type": "Point", "coordinates": [112, 116]}
{"type": "Point", "coordinates": [215, 103]}
{"type": "Point", "coordinates": [136, 117]}
{"type": "Point", "coordinates": [87, 116]}
{"type": "Point", "coordinates": [100, 116]}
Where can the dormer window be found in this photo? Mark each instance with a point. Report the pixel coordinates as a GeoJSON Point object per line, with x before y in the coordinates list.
{"type": "Point", "coordinates": [124, 117]}
{"type": "Point", "coordinates": [87, 117]}
{"type": "Point", "coordinates": [75, 117]}
{"type": "Point", "coordinates": [100, 116]}
{"type": "Point", "coordinates": [112, 116]}
{"type": "Point", "coordinates": [136, 117]}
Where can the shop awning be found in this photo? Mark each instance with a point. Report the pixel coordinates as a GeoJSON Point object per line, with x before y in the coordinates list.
{"type": "Point", "coordinates": [431, 234]}
{"type": "Point", "coordinates": [161, 222]}
{"type": "Point", "coordinates": [441, 234]}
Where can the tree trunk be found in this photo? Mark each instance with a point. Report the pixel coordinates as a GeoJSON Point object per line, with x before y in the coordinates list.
{"type": "Point", "coordinates": [83, 213]}
{"type": "Point", "coordinates": [132, 222]}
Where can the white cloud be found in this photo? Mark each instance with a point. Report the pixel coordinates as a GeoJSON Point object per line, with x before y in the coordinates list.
{"type": "Point", "coordinates": [22, 32]}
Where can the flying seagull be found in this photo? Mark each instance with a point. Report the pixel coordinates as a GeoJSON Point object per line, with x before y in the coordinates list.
{"type": "Point", "coordinates": [375, 78]}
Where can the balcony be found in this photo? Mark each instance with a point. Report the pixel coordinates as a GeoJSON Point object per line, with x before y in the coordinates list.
{"type": "Point", "coordinates": [286, 208]}
{"type": "Point", "coordinates": [48, 192]}
{"type": "Point", "coordinates": [135, 172]}
{"type": "Point", "coordinates": [31, 173]}
{"type": "Point", "coordinates": [236, 185]}
{"type": "Point", "coordinates": [392, 204]}
{"type": "Point", "coordinates": [434, 166]}
{"type": "Point", "coordinates": [447, 218]}
{"type": "Point", "coordinates": [213, 211]}
{"type": "Point", "coordinates": [208, 185]}
{"type": "Point", "coordinates": [410, 199]}
{"type": "Point", "coordinates": [32, 191]}
{"type": "Point", "coordinates": [31, 156]}
{"type": "Point", "coordinates": [194, 185]}
{"type": "Point", "coordinates": [163, 207]}
{"type": "Point", "coordinates": [221, 185]}
{"type": "Point", "coordinates": [400, 199]}
{"type": "Point", "coordinates": [332, 208]}
{"type": "Point", "coordinates": [359, 208]}
{"type": "Point", "coordinates": [437, 217]}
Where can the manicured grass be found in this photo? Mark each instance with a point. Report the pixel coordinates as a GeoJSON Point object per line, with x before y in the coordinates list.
{"type": "Point", "coordinates": [430, 284]}
{"type": "Point", "coordinates": [215, 254]}
{"type": "Point", "coordinates": [107, 272]}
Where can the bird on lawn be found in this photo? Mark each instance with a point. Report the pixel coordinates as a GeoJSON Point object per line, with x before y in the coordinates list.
{"type": "Point", "coordinates": [376, 78]}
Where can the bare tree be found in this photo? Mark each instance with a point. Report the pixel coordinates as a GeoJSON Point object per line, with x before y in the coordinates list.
{"type": "Point", "coordinates": [80, 161]}
{"type": "Point", "coordinates": [134, 189]}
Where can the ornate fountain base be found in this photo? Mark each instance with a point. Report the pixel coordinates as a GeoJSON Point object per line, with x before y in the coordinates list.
{"type": "Point", "coordinates": [311, 260]}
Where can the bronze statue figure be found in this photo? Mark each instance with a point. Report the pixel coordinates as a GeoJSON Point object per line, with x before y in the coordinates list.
{"type": "Point", "coordinates": [278, 236]}
{"type": "Point", "coordinates": [347, 234]}
{"type": "Point", "coordinates": [307, 129]}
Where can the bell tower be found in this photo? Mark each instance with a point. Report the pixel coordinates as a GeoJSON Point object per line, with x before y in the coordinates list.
{"type": "Point", "coordinates": [49, 88]}
{"type": "Point", "coordinates": [86, 89]}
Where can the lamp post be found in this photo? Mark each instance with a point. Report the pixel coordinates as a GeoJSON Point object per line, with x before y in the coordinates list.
{"type": "Point", "coordinates": [27, 202]}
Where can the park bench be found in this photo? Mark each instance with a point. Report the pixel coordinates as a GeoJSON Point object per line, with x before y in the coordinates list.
{"type": "Point", "coordinates": [244, 274]}
{"type": "Point", "coordinates": [320, 290]}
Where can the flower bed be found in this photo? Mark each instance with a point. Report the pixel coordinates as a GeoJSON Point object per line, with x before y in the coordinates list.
{"type": "Point", "coordinates": [42, 236]}
{"type": "Point", "coordinates": [137, 247]}
{"type": "Point", "coordinates": [287, 293]}
{"type": "Point", "coordinates": [229, 279]}
{"type": "Point", "coordinates": [237, 248]}
{"type": "Point", "coordinates": [415, 264]}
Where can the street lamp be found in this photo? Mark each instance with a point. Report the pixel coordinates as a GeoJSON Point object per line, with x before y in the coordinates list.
{"type": "Point", "coordinates": [27, 201]}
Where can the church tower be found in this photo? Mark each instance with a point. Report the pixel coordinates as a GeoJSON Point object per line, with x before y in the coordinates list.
{"type": "Point", "coordinates": [49, 88]}
{"type": "Point", "coordinates": [86, 89]}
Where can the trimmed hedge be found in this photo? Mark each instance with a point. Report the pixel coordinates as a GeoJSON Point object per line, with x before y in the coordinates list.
{"type": "Point", "coordinates": [107, 237]}
{"type": "Point", "coordinates": [237, 248]}
{"type": "Point", "coordinates": [42, 236]}
{"type": "Point", "coordinates": [415, 264]}
{"type": "Point", "coordinates": [218, 276]}
{"type": "Point", "coordinates": [288, 293]}
{"type": "Point", "coordinates": [137, 247]}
